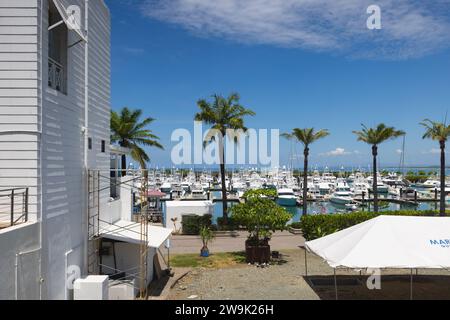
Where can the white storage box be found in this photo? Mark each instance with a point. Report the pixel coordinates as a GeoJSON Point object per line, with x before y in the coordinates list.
{"type": "Point", "coordinates": [91, 288]}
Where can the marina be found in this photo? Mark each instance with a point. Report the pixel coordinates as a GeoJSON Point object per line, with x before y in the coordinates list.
{"type": "Point", "coordinates": [130, 169]}
{"type": "Point", "coordinates": [328, 193]}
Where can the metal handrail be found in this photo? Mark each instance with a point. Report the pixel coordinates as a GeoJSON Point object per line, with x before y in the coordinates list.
{"type": "Point", "coordinates": [14, 195]}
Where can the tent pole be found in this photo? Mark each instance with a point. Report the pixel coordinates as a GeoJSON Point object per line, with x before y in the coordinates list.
{"type": "Point", "coordinates": [306, 263]}
{"type": "Point", "coordinates": [335, 284]}
{"type": "Point", "coordinates": [411, 286]}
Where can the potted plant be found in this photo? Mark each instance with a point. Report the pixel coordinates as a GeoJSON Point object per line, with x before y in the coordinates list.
{"type": "Point", "coordinates": [260, 216]}
{"type": "Point", "coordinates": [174, 221]}
{"type": "Point", "coordinates": [207, 235]}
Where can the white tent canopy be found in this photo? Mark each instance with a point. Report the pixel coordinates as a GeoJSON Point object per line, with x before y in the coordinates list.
{"type": "Point", "coordinates": [388, 242]}
{"type": "Point", "coordinates": [130, 232]}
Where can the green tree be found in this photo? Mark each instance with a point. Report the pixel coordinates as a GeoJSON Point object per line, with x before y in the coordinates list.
{"type": "Point", "coordinates": [129, 131]}
{"type": "Point", "coordinates": [260, 215]}
{"type": "Point", "coordinates": [439, 132]}
{"type": "Point", "coordinates": [374, 137]}
{"type": "Point", "coordinates": [222, 114]}
{"type": "Point", "coordinates": [306, 136]}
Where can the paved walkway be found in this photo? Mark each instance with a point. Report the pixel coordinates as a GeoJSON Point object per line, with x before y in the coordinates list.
{"type": "Point", "coordinates": [193, 244]}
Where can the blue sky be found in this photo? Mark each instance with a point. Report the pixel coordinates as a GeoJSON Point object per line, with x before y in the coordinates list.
{"type": "Point", "coordinates": [292, 64]}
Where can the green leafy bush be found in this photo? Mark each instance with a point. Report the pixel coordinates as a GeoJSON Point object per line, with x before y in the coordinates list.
{"type": "Point", "coordinates": [260, 216]}
{"type": "Point", "coordinates": [192, 224]}
{"type": "Point", "coordinates": [316, 226]}
{"type": "Point", "coordinates": [232, 225]}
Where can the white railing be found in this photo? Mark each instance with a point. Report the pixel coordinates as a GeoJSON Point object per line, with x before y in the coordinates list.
{"type": "Point", "coordinates": [55, 75]}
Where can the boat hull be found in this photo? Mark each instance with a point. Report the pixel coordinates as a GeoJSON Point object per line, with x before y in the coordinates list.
{"type": "Point", "coordinates": [339, 200]}
{"type": "Point", "coordinates": [287, 202]}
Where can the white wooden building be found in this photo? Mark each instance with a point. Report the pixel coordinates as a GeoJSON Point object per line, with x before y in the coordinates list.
{"type": "Point", "coordinates": [54, 125]}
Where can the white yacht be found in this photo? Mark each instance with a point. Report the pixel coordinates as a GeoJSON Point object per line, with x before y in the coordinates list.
{"type": "Point", "coordinates": [342, 194]}
{"type": "Point", "coordinates": [197, 192]}
{"type": "Point", "coordinates": [286, 197]}
{"type": "Point", "coordinates": [381, 187]}
{"type": "Point", "coordinates": [166, 187]}
{"type": "Point", "coordinates": [325, 187]}
{"type": "Point", "coordinates": [430, 183]}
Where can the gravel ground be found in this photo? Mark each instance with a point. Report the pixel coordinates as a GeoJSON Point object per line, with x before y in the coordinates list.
{"type": "Point", "coordinates": [282, 281]}
{"type": "Point", "coordinates": [285, 281]}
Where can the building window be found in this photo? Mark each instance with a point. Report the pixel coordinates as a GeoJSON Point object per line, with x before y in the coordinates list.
{"type": "Point", "coordinates": [57, 50]}
{"type": "Point", "coordinates": [90, 143]}
{"type": "Point", "coordinates": [103, 146]}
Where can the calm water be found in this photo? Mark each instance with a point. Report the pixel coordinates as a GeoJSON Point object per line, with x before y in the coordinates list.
{"type": "Point", "coordinates": [331, 208]}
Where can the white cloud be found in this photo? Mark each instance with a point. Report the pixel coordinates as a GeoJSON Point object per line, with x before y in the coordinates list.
{"type": "Point", "coordinates": [338, 152]}
{"type": "Point", "coordinates": [410, 28]}
{"type": "Point", "coordinates": [399, 151]}
{"type": "Point", "coordinates": [433, 151]}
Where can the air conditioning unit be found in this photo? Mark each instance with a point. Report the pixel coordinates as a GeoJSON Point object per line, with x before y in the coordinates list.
{"type": "Point", "coordinates": [91, 288]}
{"type": "Point", "coordinates": [122, 290]}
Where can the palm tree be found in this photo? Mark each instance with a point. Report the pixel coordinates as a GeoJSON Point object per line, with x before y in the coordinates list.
{"type": "Point", "coordinates": [439, 132]}
{"type": "Point", "coordinates": [374, 137]}
{"type": "Point", "coordinates": [306, 136]}
{"type": "Point", "coordinates": [222, 114]}
{"type": "Point", "coordinates": [130, 132]}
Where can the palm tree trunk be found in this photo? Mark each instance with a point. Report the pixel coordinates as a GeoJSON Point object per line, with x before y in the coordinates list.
{"type": "Point", "coordinates": [442, 202]}
{"type": "Point", "coordinates": [375, 182]}
{"type": "Point", "coordinates": [222, 176]}
{"type": "Point", "coordinates": [124, 165]}
{"type": "Point", "coordinates": [305, 182]}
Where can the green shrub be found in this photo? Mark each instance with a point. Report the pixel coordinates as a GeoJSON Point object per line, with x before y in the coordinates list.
{"type": "Point", "coordinates": [231, 226]}
{"type": "Point", "coordinates": [316, 226]}
{"type": "Point", "coordinates": [193, 223]}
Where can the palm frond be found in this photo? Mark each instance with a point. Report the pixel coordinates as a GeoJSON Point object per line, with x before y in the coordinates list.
{"type": "Point", "coordinates": [377, 135]}
{"type": "Point", "coordinates": [129, 131]}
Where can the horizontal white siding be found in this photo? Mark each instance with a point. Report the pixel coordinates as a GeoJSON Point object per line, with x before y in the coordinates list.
{"type": "Point", "coordinates": [19, 98]}
{"type": "Point", "coordinates": [63, 140]}
{"type": "Point", "coordinates": [47, 125]}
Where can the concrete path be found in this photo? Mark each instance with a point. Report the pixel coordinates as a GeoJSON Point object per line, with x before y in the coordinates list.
{"type": "Point", "coordinates": [193, 244]}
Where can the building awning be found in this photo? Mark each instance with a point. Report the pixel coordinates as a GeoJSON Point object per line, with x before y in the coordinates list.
{"type": "Point", "coordinates": [155, 194]}
{"type": "Point", "coordinates": [68, 19]}
{"type": "Point", "coordinates": [130, 232]}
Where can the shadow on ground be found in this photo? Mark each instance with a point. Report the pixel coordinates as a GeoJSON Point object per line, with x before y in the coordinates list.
{"type": "Point", "coordinates": [393, 287]}
{"type": "Point", "coordinates": [157, 287]}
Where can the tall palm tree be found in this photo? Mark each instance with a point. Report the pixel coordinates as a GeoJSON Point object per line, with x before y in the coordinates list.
{"type": "Point", "coordinates": [374, 137]}
{"type": "Point", "coordinates": [222, 114]}
{"type": "Point", "coordinates": [439, 132]}
{"type": "Point", "coordinates": [306, 136]}
{"type": "Point", "coordinates": [129, 131]}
